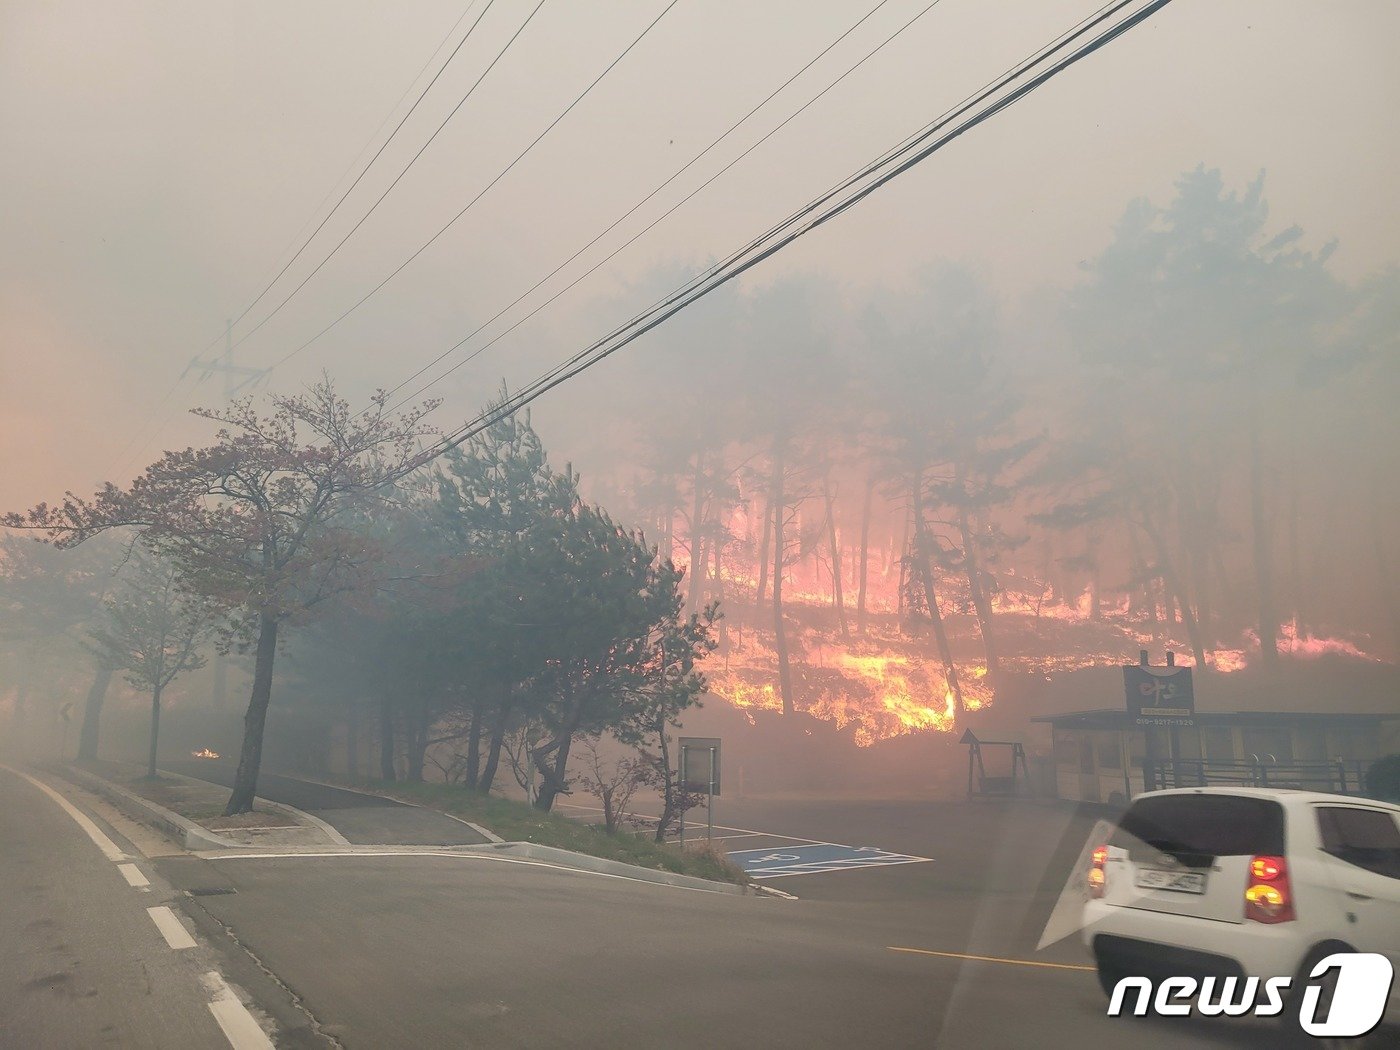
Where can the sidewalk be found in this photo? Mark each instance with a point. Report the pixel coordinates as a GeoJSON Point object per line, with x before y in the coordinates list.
{"type": "Point", "coordinates": [203, 803]}
{"type": "Point", "coordinates": [362, 819]}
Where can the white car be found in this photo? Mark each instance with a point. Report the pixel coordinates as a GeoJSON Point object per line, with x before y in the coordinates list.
{"type": "Point", "coordinates": [1246, 883]}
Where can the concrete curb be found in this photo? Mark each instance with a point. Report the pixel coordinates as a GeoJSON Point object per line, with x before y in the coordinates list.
{"type": "Point", "coordinates": [325, 829]}
{"type": "Point", "coordinates": [184, 832]}
{"type": "Point", "coordinates": [583, 862]}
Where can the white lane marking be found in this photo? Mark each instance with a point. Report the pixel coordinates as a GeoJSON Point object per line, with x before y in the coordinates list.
{"type": "Point", "coordinates": [770, 849]}
{"type": "Point", "coordinates": [489, 836]}
{"type": "Point", "coordinates": [170, 928]}
{"type": "Point", "coordinates": [326, 829]}
{"type": "Point", "coordinates": [459, 856]}
{"type": "Point", "coordinates": [778, 873]}
{"type": "Point", "coordinates": [690, 826]}
{"type": "Point", "coordinates": [239, 1026]}
{"type": "Point", "coordinates": [133, 876]}
{"type": "Point", "coordinates": [109, 849]}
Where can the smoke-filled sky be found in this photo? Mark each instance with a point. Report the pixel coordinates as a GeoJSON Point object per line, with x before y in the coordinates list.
{"type": "Point", "coordinates": [161, 160]}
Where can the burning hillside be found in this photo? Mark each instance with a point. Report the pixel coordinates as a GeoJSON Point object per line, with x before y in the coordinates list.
{"type": "Point", "coordinates": [881, 673]}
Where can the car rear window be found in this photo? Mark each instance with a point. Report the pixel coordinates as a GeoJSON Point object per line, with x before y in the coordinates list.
{"type": "Point", "coordinates": [1197, 828]}
{"type": "Point", "coordinates": [1367, 838]}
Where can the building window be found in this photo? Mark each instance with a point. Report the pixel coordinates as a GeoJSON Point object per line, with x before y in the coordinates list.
{"type": "Point", "coordinates": [1268, 744]}
{"type": "Point", "coordinates": [1109, 751]}
{"type": "Point", "coordinates": [1219, 743]}
{"type": "Point", "coordinates": [1067, 749]}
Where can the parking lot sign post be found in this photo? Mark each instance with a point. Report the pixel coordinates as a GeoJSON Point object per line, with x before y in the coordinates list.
{"type": "Point", "coordinates": [710, 784]}
{"type": "Point", "coordinates": [1159, 697]}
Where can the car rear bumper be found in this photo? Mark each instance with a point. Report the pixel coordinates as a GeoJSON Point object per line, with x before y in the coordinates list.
{"type": "Point", "coordinates": [1139, 958]}
{"type": "Point", "coordinates": [1157, 944]}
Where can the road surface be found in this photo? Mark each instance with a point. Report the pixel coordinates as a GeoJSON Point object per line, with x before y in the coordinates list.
{"type": "Point", "coordinates": [84, 962]}
{"type": "Point", "coordinates": [436, 949]}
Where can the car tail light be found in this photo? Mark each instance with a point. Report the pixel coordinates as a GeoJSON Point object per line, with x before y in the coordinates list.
{"type": "Point", "coordinates": [1098, 877]}
{"type": "Point", "coordinates": [1269, 896]}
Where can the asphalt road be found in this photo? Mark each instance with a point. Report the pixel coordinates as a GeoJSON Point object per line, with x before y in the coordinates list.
{"type": "Point", "coordinates": [413, 951]}
{"type": "Point", "coordinates": [363, 819]}
{"type": "Point", "coordinates": [83, 964]}
{"type": "Point", "coordinates": [455, 950]}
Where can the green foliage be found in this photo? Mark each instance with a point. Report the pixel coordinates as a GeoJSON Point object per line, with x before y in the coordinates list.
{"type": "Point", "coordinates": [518, 822]}
{"type": "Point", "coordinates": [153, 628]}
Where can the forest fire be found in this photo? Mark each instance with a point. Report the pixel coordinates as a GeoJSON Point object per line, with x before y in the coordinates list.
{"type": "Point", "coordinates": [204, 752]}
{"type": "Point", "coordinates": [875, 693]}
{"type": "Point", "coordinates": [880, 675]}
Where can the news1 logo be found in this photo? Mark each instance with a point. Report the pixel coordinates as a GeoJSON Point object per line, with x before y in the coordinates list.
{"type": "Point", "coordinates": [1358, 1000]}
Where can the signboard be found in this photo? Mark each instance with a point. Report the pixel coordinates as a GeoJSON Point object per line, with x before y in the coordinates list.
{"type": "Point", "coordinates": [1160, 696]}
{"type": "Point", "coordinates": [696, 752]}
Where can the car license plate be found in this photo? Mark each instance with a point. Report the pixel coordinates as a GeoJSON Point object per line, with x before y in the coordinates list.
{"type": "Point", "coordinates": [1179, 881]}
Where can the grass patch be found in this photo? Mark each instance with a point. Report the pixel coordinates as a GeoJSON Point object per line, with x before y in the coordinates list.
{"type": "Point", "coordinates": [518, 822]}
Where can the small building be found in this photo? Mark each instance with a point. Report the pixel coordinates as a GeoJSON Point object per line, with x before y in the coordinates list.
{"type": "Point", "coordinates": [1102, 756]}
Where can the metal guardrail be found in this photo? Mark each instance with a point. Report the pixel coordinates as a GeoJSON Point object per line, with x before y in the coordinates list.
{"type": "Point", "coordinates": [1338, 776]}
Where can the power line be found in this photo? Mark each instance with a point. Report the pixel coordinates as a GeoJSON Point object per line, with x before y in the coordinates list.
{"type": "Point", "coordinates": [505, 171]}
{"type": "Point", "coordinates": [154, 412]}
{"type": "Point", "coordinates": [874, 176]}
{"type": "Point", "coordinates": [632, 210]}
{"type": "Point", "coordinates": [341, 243]}
{"type": "Point", "coordinates": [655, 221]}
{"type": "Point", "coordinates": [365, 170]}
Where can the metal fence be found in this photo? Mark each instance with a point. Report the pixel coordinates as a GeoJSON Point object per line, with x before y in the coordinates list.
{"type": "Point", "coordinates": [1338, 776]}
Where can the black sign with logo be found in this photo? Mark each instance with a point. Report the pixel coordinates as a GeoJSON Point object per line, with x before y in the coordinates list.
{"type": "Point", "coordinates": [1160, 696]}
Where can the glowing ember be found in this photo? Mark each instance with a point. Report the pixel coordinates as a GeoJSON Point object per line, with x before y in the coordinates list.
{"type": "Point", "coordinates": [877, 694]}
{"type": "Point", "coordinates": [204, 752]}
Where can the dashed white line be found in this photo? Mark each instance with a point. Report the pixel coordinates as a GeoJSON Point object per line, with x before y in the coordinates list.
{"type": "Point", "coordinates": [109, 849]}
{"type": "Point", "coordinates": [133, 876]}
{"type": "Point", "coordinates": [170, 928]}
{"type": "Point", "coordinates": [238, 1025]}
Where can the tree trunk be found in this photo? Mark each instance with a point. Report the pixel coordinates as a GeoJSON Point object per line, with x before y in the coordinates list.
{"type": "Point", "coordinates": [498, 736]}
{"type": "Point", "coordinates": [1172, 585]}
{"type": "Point", "coordinates": [836, 599]}
{"type": "Point", "coordinates": [1263, 561]}
{"type": "Point", "coordinates": [386, 739]}
{"type": "Point", "coordinates": [473, 773]}
{"type": "Point", "coordinates": [697, 544]}
{"type": "Point", "coordinates": [763, 549]}
{"type": "Point", "coordinates": [670, 801]}
{"type": "Point", "coordinates": [864, 554]}
{"type": "Point", "coordinates": [1295, 560]}
{"type": "Point", "coordinates": [923, 565]}
{"type": "Point", "coordinates": [719, 592]}
{"type": "Point", "coordinates": [352, 743]}
{"type": "Point", "coordinates": [553, 783]}
{"type": "Point", "coordinates": [1390, 595]}
{"type": "Point", "coordinates": [92, 713]}
{"type": "Point", "coordinates": [418, 744]}
{"type": "Point", "coordinates": [780, 645]}
{"type": "Point", "coordinates": [980, 602]}
{"type": "Point", "coordinates": [245, 781]}
{"type": "Point", "coordinates": [155, 731]}
{"type": "Point", "coordinates": [1091, 553]}
{"type": "Point", "coordinates": [552, 780]}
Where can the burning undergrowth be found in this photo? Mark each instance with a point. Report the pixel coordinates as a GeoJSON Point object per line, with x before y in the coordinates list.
{"type": "Point", "coordinates": [890, 682]}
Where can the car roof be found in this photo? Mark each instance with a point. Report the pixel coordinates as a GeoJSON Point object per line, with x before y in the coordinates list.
{"type": "Point", "coordinates": [1288, 796]}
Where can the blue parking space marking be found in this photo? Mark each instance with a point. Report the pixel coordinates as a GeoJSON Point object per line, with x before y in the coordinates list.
{"type": "Point", "coordinates": [775, 863]}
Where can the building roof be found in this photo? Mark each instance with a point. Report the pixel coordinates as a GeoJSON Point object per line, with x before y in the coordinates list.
{"type": "Point", "coordinates": [1118, 718]}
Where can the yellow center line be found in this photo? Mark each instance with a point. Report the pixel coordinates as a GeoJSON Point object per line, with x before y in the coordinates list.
{"type": "Point", "coordinates": [990, 958]}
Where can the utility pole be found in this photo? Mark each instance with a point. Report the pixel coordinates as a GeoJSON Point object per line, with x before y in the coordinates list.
{"type": "Point", "coordinates": [250, 377]}
{"type": "Point", "coordinates": [225, 366]}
